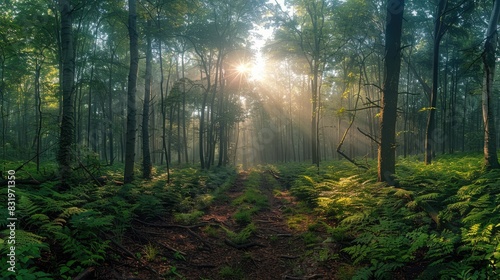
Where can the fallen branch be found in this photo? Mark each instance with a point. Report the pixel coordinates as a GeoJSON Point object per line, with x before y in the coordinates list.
{"type": "Point", "coordinates": [173, 225]}
{"type": "Point", "coordinates": [314, 276]}
{"type": "Point", "coordinates": [242, 246]}
{"type": "Point", "coordinates": [86, 274]}
{"type": "Point", "coordinates": [166, 246]}
{"type": "Point", "coordinates": [369, 136]}
{"type": "Point", "coordinates": [126, 251]}
{"type": "Point", "coordinates": [284, 235]}
{"type": "Point", "coordinates": [188, 228]}
{"type": "Point", "coordinates": [288, 257]}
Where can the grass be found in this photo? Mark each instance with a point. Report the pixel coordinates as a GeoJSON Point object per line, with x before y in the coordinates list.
{"type": "Point", "coordinates": [150, 252]}
{"type": "Point", "coordinates": [251, 201]}
{"type": "Point", "coordinates": [228, 272]}
{"type": "Point", "coordinates": [242, 236]}
{"type": "Point", "coordinates": [188, 218]}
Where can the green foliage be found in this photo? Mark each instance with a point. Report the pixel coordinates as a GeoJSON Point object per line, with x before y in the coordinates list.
{"type": "Point", "coordinates": [251, 201]}
{"type": "Point", "coordinates": [188, 218]}
{"type": "Point", "coordinates": [242, 236]}
{"type": "Point", "coordinates": [227, 272]}
{"type": "Point", "coordinates": [243, 216]}
{"type": "Point", "coordinates": [150, 252]}
{"type": "Point", "coordinates": [445, 217]}
{"type": "Point", "coordinates": [304, 189]}
{"type": "Point", "coordinates": [73, 228]}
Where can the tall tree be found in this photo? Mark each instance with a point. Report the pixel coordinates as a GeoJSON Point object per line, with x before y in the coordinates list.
{"type": "Point", "coordinates": [68, 75]}
{"type": "Point", "coordinates": [392, 66]}
{"type": "Point", "coordinates": [439, 31]}
{"type": "Point", "coordinates": [146, 156]}
{"type": "Point", "coordinates": [490, 46]}
{"type": "Point", "coordinates": [128, 175]}
{"type": "Point", "coordinates": [308, 33]}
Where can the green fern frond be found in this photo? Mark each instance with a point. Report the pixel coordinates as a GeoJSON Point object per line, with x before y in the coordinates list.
{"type": "Point", "coordinates": [356, 218]}
{"type": "Point", "coordinates": [27, 206]}
{"type": "Point", "coordinates": [476, 215]}
{"type": "Point", "coordinates": [428, 197]}
{"type": "Point", "coordinates": [403, 193]}
{"type": "Point", "coordinates": [469, 191]}
{"type": "Point", "coordinates": [461, 206]}
{"type": "Point", "coordinates": [70, 212]}
{"type": "Point", "coordinates": [358, 252]}
{"type": "Point", "coordinates": [482, 202]}
{"type": "Point", "coordinates": [38, 219]}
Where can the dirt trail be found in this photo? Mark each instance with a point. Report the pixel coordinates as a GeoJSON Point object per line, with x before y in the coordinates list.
{"type": "Point", "coordinates": [204, 251]}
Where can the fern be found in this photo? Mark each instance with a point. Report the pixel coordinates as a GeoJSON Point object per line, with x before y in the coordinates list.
{"type": "Point", "coordinates": [441, 246]}
{"type": "Point", "coordinates": [358, 252]}
{"type": "Point", "coordinates": [357, 218]}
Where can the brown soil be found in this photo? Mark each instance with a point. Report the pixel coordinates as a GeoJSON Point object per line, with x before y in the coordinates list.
{"type": "Point", "coordinates": [202, 251]}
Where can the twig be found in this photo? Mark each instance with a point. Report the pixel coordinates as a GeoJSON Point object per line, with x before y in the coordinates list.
{"type": "Point", "coordinates": [88, 172]}
{"type": "Point", "coordinates": [369, 136]}
{"type": "Point", "coordinates": [304, 277]}
{"type": "Point", "coordinates": [166, 246]}
{"type": "Point", "coordinates": [173, 225]}
{"type": "Point", "coordinates": [288, 257]}
{"type": "Point", "coordinates": [125, 250]}
{"type": "Point", "coordinates": [242, 246]}
{"type": "Point", "coordinates": [188, 228]}
{"type": "Point", "coordinates": [85, 274]}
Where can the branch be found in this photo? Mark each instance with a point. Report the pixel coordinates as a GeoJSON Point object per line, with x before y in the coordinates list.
{"type": "Point", "coordinates": [369, 136]}
{"type": "Point", "coordinates": [364, 108]}
{"type": "Point", "coordinates": [375, 85]}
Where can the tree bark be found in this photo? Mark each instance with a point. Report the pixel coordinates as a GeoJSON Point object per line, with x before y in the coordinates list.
{"type": "Point", "coordinates": [110, 105]}
{"type": "Point", "coordinates": [68, 75]}
{"type": "Point", "coordinates": [490, 46]}
{"type": "Point", "coordinates": [431, 121]}
{"type": "Point", "coordinates": [163, 109]}
{"type": "Point", "coordinates": [387, 147]}
{"type": "Point", "coordinates": [146, 155]}
{"type": "Point", "coordinates": [38, 105]}
{"type": "Point", "coordinates": [128, 175]}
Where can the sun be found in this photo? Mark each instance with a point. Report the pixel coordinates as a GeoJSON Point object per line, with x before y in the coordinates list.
{"type": "Point", "coordinates": [243, 69]}
{"type": "Point", "coordinates": [254, 70]}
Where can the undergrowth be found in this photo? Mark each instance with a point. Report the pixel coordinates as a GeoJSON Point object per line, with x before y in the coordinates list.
{"type": "Point", "coordinates": [251, 201]}
{"type": "Point", "coordinates": [440, 221]}
{"type": "Point", "coordinates": [59, 234]}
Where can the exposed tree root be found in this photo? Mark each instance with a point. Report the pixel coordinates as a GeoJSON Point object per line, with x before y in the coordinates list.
{"type": "Point", "coordinates": [242, 246]}
{"type": "Point", "coordinates": [86, 274]}
{"type": "Point", "coordinates": [314, 276]}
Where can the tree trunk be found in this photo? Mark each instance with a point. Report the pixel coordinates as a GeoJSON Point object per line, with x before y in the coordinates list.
{"type": "Point", "coordinates": [184, 129]}
{"type": "Point", "coordinates": [490, 46]}
{"type": "Point", "coordinates": [110, 106]}
{"type": "Point", "coordinates": [146, 155]}
{"type": "Point", "coordinates": [38, 105]}
{"type": "Point", "coordinates": [163, 109]}
{"type": "Point", "coordinates": [387, 147]}
{"type": "Point", "coordinates": [128, 175]}
{"type": "Point", "coordinates": [68, 75]}
{"type": "Point", "coordinates": [431, 121]}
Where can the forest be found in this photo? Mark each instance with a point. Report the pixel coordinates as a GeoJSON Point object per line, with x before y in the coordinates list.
{"type": "Point", "coordinates": [249, 139]}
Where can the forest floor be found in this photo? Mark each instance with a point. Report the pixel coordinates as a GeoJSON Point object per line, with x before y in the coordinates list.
{"type": "Point", "coordinates": [287, 221]}
{"type": "Point", "coordinates": [273, 242]}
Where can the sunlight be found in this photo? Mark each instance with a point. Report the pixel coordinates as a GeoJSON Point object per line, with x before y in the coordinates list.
{"type": "Point", "coordinates": [258, 69]}
{"type": "Point", "coordinates": [255, 70]}
{"type": "Point", "coordinates": [243, 69]}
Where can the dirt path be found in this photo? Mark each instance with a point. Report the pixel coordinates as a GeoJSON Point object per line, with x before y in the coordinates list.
{"type": "Point", "coordinates": [204, 250]}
